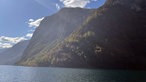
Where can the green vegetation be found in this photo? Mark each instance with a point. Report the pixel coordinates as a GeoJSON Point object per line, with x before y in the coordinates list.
{"type": "Point", "coordinates": [88, 34]}
{"type": "Point", "coordinates": [77, 46]}
{"type": "Point", "coordinates": [63, 51]}
{"type": "Point", "coordinates": [72, 38]}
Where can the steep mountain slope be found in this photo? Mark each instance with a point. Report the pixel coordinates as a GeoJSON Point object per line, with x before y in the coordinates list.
{"type": "Point", "coordinates": [12, 55]}
{"type": "Point", "coordinates": [55, 28]}
{"type": "Point", "coordinates": [114, 36]}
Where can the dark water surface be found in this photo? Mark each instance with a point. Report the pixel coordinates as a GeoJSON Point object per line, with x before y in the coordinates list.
{"type": "Point", "coordinates": [45, 74]}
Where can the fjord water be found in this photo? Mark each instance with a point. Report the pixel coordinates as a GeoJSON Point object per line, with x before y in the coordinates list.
{"type": "Point", "coordinates": [46, 74]}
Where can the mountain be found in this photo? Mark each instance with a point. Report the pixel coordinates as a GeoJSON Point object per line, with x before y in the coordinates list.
{"type": "Point", "coordinates": [3, 49]}
{"type": "Point", "coordinates": [113, 36]}
{"type": "Point", "coordinates": [53, 29]}
{"type": "Point", "coordinates": [12, 55]}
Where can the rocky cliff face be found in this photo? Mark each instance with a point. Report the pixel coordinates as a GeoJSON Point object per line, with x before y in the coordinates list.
{"type": "Point", "coordinates": [54, 29]}
{"type": "Point", "coordinates": [111, 37]}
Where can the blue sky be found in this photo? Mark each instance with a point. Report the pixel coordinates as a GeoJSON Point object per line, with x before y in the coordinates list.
{"type": "Point", "coordinates": [18, 18]}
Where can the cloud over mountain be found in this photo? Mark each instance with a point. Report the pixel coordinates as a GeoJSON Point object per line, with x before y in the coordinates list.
{"type": "Point", "coordinates": [76, 3]}
{"type": "Point", "coordinates": [7, 42]}
{"type": "Point", "coordinates": [29, 35]}
{"type": "Point", "coordinates": [35, 23]}
{"type": "Point", "coordinates": [5, 45]}
{"type": "Point", "coordinates": [58, 6]}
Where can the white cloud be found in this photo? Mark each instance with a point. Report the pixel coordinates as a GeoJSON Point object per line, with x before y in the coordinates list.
{"type": "Point", "coordinates": [57, 6]}
{"type": "Point", "coordinates": [32, 30]}
{"type": "Point", "coordinates": [7, 42]}
{"type": "Point", "coordinates": [31, 20]}
{"type": "Point", "coordinates": [11, 39]}
{"type": "Point", "coordinates": [75, 3]}
{"type": "Point", "coordinates": [5, 45]}
{"type": "Point", "coordinates": [29, 35]}
{"type": "Point", "coordinates": [35, 23]}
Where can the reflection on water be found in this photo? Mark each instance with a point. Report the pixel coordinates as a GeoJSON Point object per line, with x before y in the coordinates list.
{"type": "Point", "coordinates": [45, 74]}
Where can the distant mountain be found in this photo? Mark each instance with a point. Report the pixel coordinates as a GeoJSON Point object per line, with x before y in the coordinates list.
{"type": "Point", "coordinates": [113, 36]}
{"type": "Point", "coordinates": [3, 49]}
{"type": "Point", "coordinates": [12, 55]}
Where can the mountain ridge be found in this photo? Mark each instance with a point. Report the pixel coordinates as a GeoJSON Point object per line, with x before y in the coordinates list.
{"type": "Point", "coordinates": [113, 36]}
{"type": "Point", "coordinates": [65, 19]}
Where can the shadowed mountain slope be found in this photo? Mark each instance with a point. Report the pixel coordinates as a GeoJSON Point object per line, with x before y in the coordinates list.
{"type": "Point", "coordinates": [54, 29]}
{"type": "Point", "coordinates": [114, 36]}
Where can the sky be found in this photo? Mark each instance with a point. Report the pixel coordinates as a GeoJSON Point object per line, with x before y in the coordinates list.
{"type": "Point", "coordinates": [20, 18]}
